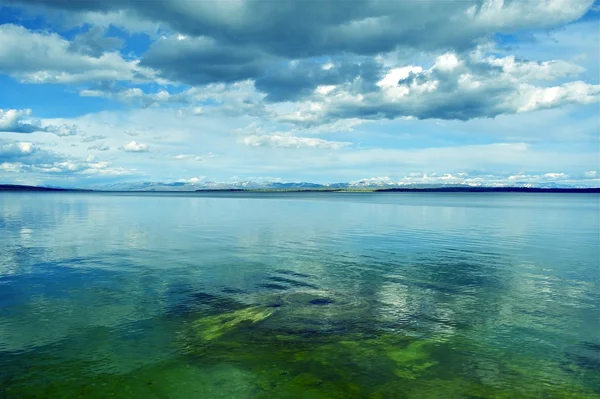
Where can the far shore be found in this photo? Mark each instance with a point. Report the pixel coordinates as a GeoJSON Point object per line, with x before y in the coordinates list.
{"type": "Point", "coordinates": [448, 189]}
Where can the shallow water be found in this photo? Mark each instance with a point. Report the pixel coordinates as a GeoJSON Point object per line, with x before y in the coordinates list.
{"type": "Point", "coordinates": [307, 295]}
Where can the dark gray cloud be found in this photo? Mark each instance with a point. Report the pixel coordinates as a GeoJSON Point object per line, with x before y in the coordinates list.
{"type": "Point", "coordinates": [94, 42]}
{"type": "Point", "coordinates": [294, 80]}
{"type": "Point", "coordinates": [231, 41]}
{"type": "Point", "coordinates": [202, 60]}
{"type": "Point", "coordinates": [42, 57]}
{"type": "Point", "coordinates": [283, 48]}
{"type": "Point", "coordinates": [301, 28]}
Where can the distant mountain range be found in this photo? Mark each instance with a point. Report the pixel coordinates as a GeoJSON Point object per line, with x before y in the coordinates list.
{"type": "Point", "coordinates": [361, 185]}
{"type": "Point", "coordinates": [367, 184]}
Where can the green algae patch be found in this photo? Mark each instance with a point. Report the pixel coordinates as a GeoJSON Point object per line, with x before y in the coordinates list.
{"type": "Point", "coordinates": [385, 365]}
{"type": "Point", "coordinates": [172, 380]}
{"type": "Point", "coordinates": [413, 360]}
{"type": "Point", "coordinates": [211, 327]}
{"type": "Point", "coordinates": [254, 363]}
{"type": "Point", "coordinates": [254, 352]}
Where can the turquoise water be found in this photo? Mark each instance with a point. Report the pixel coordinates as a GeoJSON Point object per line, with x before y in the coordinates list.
{"type": "Point", "coordinates": [341, 295]}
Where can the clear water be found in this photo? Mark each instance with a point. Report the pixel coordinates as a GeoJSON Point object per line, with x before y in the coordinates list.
{"type": "Point", "coordinates": [299, 295]}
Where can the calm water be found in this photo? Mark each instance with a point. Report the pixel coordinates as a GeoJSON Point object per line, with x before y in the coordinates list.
{"type": "Point", "coordinates": [299, 296]}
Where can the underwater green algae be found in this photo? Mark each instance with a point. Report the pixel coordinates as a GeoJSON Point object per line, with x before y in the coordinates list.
{"type": "Point", "coordinates": [249, 366]}
{"type": "Point", "coordinates": [212, 327]}
{"type": "Point", "coordinates": [256, 352]}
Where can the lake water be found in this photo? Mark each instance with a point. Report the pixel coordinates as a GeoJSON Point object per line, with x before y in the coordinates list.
{"type": "Point", "coordinates": [306, 295]}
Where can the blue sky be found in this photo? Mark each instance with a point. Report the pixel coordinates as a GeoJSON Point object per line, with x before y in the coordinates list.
{"type": "Point", "coordinates": [479, 92]}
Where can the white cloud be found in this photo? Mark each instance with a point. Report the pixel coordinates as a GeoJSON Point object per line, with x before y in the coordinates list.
{"type": "Point", "coordinates": [98, 147]}
{"type": "Point", "coordinates": [90, 139]}
{"type": "Point", "coordinates": [408, 142]}
{"type": "Point", "coordinates": [556, 176]}
{"type": "Point", "coordinates": [477, 179]}
{"type": "Point", "coordinates": [47, 58]}
{"type": "Point", "coordinates": [11, 118]}
{"type": "Point", "coordinates": [532, 71]}
{"type": "Point", "coordinates": [62, 130]}
{"type": "Point", "coordinates": [193, 180]}
{"type": "Point", "coordinates": [291, 142]}
{"type": "Point", "coordinates": [182, 157]}
{"type": "Point", "coordinates": [531, 98]}
{"type": "Point", "coordinates": [456, 87]}
{"type": "Point", "coordinates": [16, 120]}
{"type": "Point", "coordinates": [394, 75]}
{"type": "Point", "coordinates": [27, 157]}
{"type": "Point", "coordinates": [133, 146]}
{"type": "Point", "coordinates": [20, 148]}
{"type": "Point", "coordinates": [19, 121]}
{"type": "Point", "coordinates": [240, 98]}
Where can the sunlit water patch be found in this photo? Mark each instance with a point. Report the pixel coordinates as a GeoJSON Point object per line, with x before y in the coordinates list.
{"type": "Point", "coordinates": [299, 296]}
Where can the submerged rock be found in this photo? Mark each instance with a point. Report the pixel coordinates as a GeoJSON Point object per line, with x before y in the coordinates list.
{"type": "Point", "coordinates": [321, 301]}
{"type": "Point", "coordinates": [585, 355]}
{"type": "Point", "coordinates": [314, 312]}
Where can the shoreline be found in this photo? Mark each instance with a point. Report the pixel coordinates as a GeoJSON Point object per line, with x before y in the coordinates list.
{"type": "Point", "coordinates": [450, 189]}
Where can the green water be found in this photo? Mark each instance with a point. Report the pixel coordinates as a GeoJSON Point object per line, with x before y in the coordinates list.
{"type": "Point", "coordinates": [299, 296]}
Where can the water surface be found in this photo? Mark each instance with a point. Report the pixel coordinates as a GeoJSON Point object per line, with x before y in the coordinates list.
{"type": "Point", "coordinates": [306, 295]}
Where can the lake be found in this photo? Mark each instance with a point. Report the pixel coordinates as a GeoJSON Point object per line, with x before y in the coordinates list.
{"type": "Point", "coordinates": [299, 295]}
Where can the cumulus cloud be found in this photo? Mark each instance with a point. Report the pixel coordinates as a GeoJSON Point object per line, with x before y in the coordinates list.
{"type": "Point", "coordinates": [10, 150]}
{"type": "Point", "coordinates": [133, 146]}
{"type": "Point", "coordinates": [291, 142]}
{"type": "Point", "coordinates": [534, 98]}
{"type": "Point", "coordinates": [94, 42]}
{"type": "Point", "coordinates": [455, 87]}
{"type": "Point", "coordinates": [19, 121]}
{"type": "Point", "coordinates": [27, 157]}
{"type": "Point", "coordinates": [14, 120]}
{"type": "Point", "coordinates": [291, 81]}
{"type": "Point", "coordinates": [48, 58]}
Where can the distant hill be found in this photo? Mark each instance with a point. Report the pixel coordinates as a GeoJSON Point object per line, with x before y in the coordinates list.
{"type": "Point", "coordinates": [18, 187]}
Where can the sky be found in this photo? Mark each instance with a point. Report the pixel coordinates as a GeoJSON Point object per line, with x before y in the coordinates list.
{"type": "Point", "coordinates": [99, 92]}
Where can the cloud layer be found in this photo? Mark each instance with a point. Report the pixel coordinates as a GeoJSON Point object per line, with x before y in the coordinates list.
{"type": "Point", "coordinates": [300, 91]}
